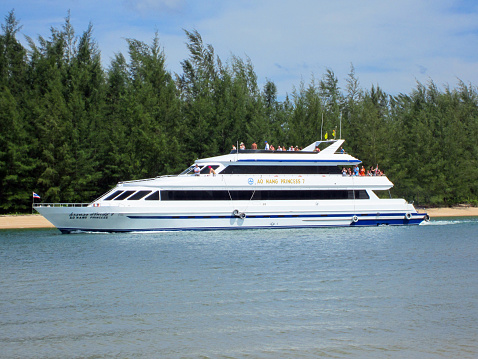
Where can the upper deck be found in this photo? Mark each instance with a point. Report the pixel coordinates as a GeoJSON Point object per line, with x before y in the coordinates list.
{"type": "Point", "coordinates": [329, 156]}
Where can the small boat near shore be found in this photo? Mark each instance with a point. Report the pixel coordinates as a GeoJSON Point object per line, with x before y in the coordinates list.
{"type": "Point", "coordinates": [243, 190]}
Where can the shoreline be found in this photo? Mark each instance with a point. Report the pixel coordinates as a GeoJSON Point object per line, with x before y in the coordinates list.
{"type": "Point", "coordinates": [22, 221]}
{"type": "Point", "coordinates": [458, 211]}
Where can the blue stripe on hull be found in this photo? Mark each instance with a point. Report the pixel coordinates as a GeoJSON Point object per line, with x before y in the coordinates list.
{"type": "Point", "coordinates": [295, 161]}
{"type": "Point", "coordinates": [391, 222]}
{"type": "Point", "coordinates": [269, 216]}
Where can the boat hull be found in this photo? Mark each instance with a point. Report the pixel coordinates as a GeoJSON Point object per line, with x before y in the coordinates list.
{"type": "Point", "coordinates": [193, 216]}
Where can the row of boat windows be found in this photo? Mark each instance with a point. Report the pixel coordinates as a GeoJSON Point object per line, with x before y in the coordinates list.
{"type": "Point", "coordinates": [236, 169]}
{"type": "Point", "coordinates": [246, 195]}
{"type": "Point", "coordinates": [121, 195]}
{"type": "Point", "coordinates": [262, 195]}
{"type": "Point", "coordinates": [253, 170]}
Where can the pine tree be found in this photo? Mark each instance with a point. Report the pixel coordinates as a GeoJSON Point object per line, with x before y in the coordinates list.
{"type": "Point", "coordinates": [85, 101]}
{"type": "Point", "coordinates": [16, 165]}
{"type": "Point", "coordinates": [196, 86]}
{"type": "Point", "coordinates": [156, 125]}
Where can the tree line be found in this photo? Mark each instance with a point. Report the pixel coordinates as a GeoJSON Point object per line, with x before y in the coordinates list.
{"type": "Point", "coordinates": [71, 129]}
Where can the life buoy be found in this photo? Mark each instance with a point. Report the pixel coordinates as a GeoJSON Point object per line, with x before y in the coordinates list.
{"type": "Point", "coordinates": [242, 215]}
{"type": "Point", "coordinates": [408, 216]}
{"type": "Point", "coordinates": [235, 212]}
{"type": "Point", "coordinates": [355, 219]}
{"type": "Point", "coordinates": [427, 218]}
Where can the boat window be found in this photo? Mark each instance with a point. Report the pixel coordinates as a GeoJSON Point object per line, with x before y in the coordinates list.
{"type": "Point", "coordinates": [153, 197]}
{"type": "Point", "coordinates": [361, 194]}
{"type": "Point", "coordinates": [205, 169]}
{"type": "Point", "coordinates": [244, 169]}
{"type": "Point", "coordinates": [262, 195]}
{"type": "Point", "coordinates": [187, 170]}
{"type": "Point", "coordinates": [124, 195]}
{"type": "Point", "coordinates": [109, 198]}
{"type": "Point", "coordinates": [138, 195]}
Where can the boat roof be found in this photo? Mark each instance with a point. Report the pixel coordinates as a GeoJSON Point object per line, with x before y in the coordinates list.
{"type": "Point", "coordinates": [329, 156]}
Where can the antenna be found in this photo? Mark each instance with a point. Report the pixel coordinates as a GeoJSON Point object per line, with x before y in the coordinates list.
{"type": "Point", "coordinates": [340, 133]}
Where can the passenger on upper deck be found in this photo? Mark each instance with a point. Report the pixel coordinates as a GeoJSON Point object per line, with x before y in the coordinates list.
{"type": "Point", "coordinates": [356, 170]}
{"type": "Point", "coordinates": [267, 145]}
{"type": "Point", "coordinates": [254, 146]}
{"type": "Point", "coordinates": [242, 146]}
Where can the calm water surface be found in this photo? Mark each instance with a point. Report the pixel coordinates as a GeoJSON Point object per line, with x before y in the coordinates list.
{"type": "Point", "coordinates": [384, 292]}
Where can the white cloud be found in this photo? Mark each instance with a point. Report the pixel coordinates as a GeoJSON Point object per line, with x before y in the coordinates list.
{"type": "Point", "coordinates": [392, 44]}
{"type": "Point", "coordinates": [146, 7]}
{"type": "Point", "coordinates": [390, 40]}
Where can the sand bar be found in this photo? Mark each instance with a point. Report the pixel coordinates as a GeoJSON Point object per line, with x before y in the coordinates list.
{"type": "Point", "coordinates": [38, 221]}
{"type": "Point", "coordinates": [459, 211]}
{"type": "Point", "coordinates": [24, 221]}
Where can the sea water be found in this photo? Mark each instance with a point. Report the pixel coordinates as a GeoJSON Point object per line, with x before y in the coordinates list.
{"type": "Point", "coordinates": [377, 292]}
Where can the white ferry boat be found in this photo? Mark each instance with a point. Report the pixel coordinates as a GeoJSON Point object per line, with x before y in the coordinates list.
{"type": "Point", "coordinates": [243, 189]}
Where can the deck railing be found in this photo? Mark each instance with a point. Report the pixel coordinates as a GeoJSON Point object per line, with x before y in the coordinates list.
{"type": "Point", "coordinates": [60, 204]}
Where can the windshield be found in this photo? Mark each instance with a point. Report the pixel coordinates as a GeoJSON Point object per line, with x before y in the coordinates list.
{"type": "Point", "coordinates": [204, 169]}
{"type": "Point", "coordinates": [187, 170]}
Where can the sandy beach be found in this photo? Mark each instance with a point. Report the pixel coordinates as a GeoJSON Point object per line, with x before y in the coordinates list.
{"type": "Point", "coordinates": [459, 211]}
{"type": "Point", "coordinates": [37, 221]}
{"type": "Point", "coordinates": [24, 221]}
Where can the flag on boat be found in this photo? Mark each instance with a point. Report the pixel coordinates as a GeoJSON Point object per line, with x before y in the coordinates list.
{"type": "Point", "coordinates": [35, 195]}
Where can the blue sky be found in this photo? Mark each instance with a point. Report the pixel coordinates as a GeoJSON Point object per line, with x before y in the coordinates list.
{"type": "Point", "coordinates": [390, 43]}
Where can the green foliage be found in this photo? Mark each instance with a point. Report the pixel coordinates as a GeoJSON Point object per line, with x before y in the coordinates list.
{"type": "Point", "coordinates": [69, 130]}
